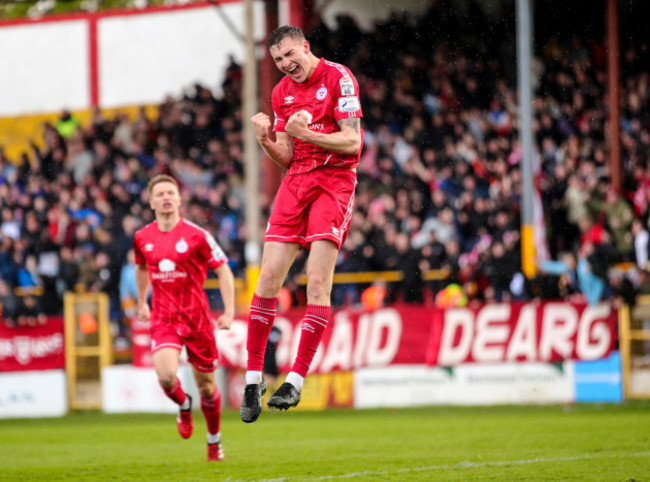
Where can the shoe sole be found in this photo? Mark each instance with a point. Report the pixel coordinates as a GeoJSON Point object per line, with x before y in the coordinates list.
{"type": "Point", "coordinates": [282, 405]}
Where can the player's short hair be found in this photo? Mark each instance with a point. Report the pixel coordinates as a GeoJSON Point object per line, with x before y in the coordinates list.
{"type": "Point", "coordinates": [160, 178]}
{"type": "Point", "coordinates": [280, 33]}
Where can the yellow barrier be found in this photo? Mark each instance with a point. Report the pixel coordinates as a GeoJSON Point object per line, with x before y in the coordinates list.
{"type": "Point", "coordinates": [88, 347]}
{"type": "Point", "coordinates": [634, 343]}
{"type": "Point", "coordinates": [372, 276]}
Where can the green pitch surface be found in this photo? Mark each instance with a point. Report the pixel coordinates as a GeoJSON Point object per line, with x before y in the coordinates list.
{"type": "Point", "coordinates": [580, 442]}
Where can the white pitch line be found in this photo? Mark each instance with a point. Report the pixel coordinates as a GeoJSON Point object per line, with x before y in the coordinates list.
{"type": "Point", "coordinates": [463, 465]}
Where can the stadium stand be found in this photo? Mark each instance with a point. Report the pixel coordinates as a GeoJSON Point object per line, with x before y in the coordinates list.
{"type": "Point", "coordinates": [438, 178]}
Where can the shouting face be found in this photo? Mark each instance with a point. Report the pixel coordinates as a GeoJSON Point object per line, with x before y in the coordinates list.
{"type": "Point", "coordinates": [294, 58]}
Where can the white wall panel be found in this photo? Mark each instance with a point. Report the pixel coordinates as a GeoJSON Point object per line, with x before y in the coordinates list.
{"type": "Point", "coordinates": [44, 67]}
{"type": "Point", "coordinates": [144, 58]}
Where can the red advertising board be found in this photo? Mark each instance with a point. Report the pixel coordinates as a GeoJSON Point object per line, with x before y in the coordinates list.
{"type": "Point", "coordinates": [32, 348]}
{"type": "Point", "coordinates": [403, 334]}
{"type": "Point", "coordinates": [353, 339]}
{"type": "Point", "coordinates": [522, 332]}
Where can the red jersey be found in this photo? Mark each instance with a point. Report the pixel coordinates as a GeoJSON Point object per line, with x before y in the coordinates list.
{"type": "Point", "coordinates": [176, 261]}
{"type": "Point", "coordinates": [329, 95]}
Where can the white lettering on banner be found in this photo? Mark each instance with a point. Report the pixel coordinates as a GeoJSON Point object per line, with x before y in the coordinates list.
{"type": "Point", "coordinates": [25, 348]}
{"type": "Point", "coordinates": [454, 353]}
{"type": "Point", "coordinates": [491, 333]}
{"type": "Point", "coordinates": [376, 342]}
{"type": "Point", "coordinates": [558, 325]}
{"type": "Point", "coordinates": [362, 339]}
{"type": "Point", "coordinates": [590, 326]}
{"type": "Point", "coordinates": [523, 343]}
{"type": "Point", "coordinates": [391, 321]}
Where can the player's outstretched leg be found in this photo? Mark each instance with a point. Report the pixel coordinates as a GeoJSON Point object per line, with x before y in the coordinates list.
{"type": "Point", "coordinates": [251, 403]}
{"type": "Point", "coordinates": [184, 421]}
{"type": "Point", "coordinates": [215, 449]}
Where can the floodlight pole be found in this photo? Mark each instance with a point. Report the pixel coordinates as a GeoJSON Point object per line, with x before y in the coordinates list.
{"type": "Point", "coordinates": [525, 87]}
{"type": "Point", "coordinates": [251, 156]}
{"type": "Point", "coordinates": [613, 93]}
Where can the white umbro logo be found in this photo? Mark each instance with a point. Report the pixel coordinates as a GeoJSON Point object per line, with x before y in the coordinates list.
{"type": "Point", "coordinates": [335, 231]}
{"type": "Point", "coordinates": [288, 100]}
{"type": "Point", "coordinates": [148, 247]}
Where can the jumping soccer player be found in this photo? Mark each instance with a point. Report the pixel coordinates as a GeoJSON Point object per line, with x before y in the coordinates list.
{"type": "Point", "coordinates": [173, 254]}
{"type": "Point", "coordinates": [318, 140]}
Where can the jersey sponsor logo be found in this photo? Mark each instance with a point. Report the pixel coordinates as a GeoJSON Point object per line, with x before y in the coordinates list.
{"type": "Point", "coordinates": [166, 265]}
{"type": "Point", "coordinates": [168, 271]}
{"type": "Point", "coordinates": [181, 246]}
{"type": "Point", "coordinates": [148, 247]}
{"type": "Point", "coordinates": [321, 93]}
{"type": "Point", "coordinates": [288, 99]}
{"type": "Point", "coordinates": [349, 104]}
{"type": "Point", "coordinates": [347, 86]}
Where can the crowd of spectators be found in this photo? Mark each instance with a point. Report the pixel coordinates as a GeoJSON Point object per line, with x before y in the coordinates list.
{"type": "Point", "coordinates": [439, 177]}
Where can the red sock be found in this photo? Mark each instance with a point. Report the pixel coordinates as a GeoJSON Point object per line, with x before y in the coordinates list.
{"type": "Point", "coordinates": [260, 322]}
{"type": "Point", "coordinates": [175, 392]}
{"type": "Point", "coordinates": [313, 327]}
{"type": "Point", "coordinates": [211, 408]}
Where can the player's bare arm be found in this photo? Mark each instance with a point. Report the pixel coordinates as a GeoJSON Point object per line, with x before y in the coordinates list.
{"type": "Point", "coordinates": [142, 283]}
{"type": "Point", "coordinates": [346, 141]}
{"type": "Point", "coordinates": [227, 289]}
{"type": "Point", "coordinates": [280, 151]}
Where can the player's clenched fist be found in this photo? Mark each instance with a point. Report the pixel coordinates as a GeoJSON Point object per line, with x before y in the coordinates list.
{"type": "Point", "coordinates": [298, 123]}
{"type": "Point", "coordinates": [261, 124]}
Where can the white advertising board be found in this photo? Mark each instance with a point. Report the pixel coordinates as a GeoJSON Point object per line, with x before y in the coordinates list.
{"type": "Point", "coordinates": [129, 389]}
{"type": "Point", "coordinates": [468, 384]}
{"type": "Point", "coordinates": [33, 394]}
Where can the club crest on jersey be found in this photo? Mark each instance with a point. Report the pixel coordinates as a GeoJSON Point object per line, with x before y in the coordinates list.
{"type": "Point", "coordinates": [347, 86]}
{"type": "Point", "coordinates": [181, 246]}
{"type": "Point", "coordinates": [321, 93]}
{"type": "Point", "coordinates": [148, 247]}
{"type": "Point", "coordinates": [288, 99]}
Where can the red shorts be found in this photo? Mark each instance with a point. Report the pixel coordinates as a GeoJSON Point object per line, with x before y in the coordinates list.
{"type": "Point", "coordinates": [312, 206]}
{"type": "Point", "coordinates": [202, 350]}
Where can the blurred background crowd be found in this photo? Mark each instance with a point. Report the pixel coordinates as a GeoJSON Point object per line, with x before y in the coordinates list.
{"type": "Point", "coordinates": [439, 177]}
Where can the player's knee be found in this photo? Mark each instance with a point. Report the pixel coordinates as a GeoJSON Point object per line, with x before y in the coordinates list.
{"type": "Point", "coordinates": [166, 378]}
{"type": "Point", "coordinates": [207, 389]}
{"type": "Point", "coordinates": [318, 288]}
{"type": "Point", "coordinates": [268, 282]}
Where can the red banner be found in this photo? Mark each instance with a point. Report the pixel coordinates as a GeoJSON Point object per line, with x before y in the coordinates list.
{"type": "Point", "coordinates": [32, 348]}
{"type": "Point", "coordinates": [403, 334]}
{"type": "Point", "coordinates": [515, 332]}
{"type": "Point", "coordinates": [353, 339]}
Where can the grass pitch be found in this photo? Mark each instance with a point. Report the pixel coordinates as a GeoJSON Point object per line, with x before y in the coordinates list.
{"type": "Point", "coordinates": [578, 442]}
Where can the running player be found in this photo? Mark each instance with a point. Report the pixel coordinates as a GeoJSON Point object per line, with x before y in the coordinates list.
{"type": "Point", "coordinates": [172, 254]}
